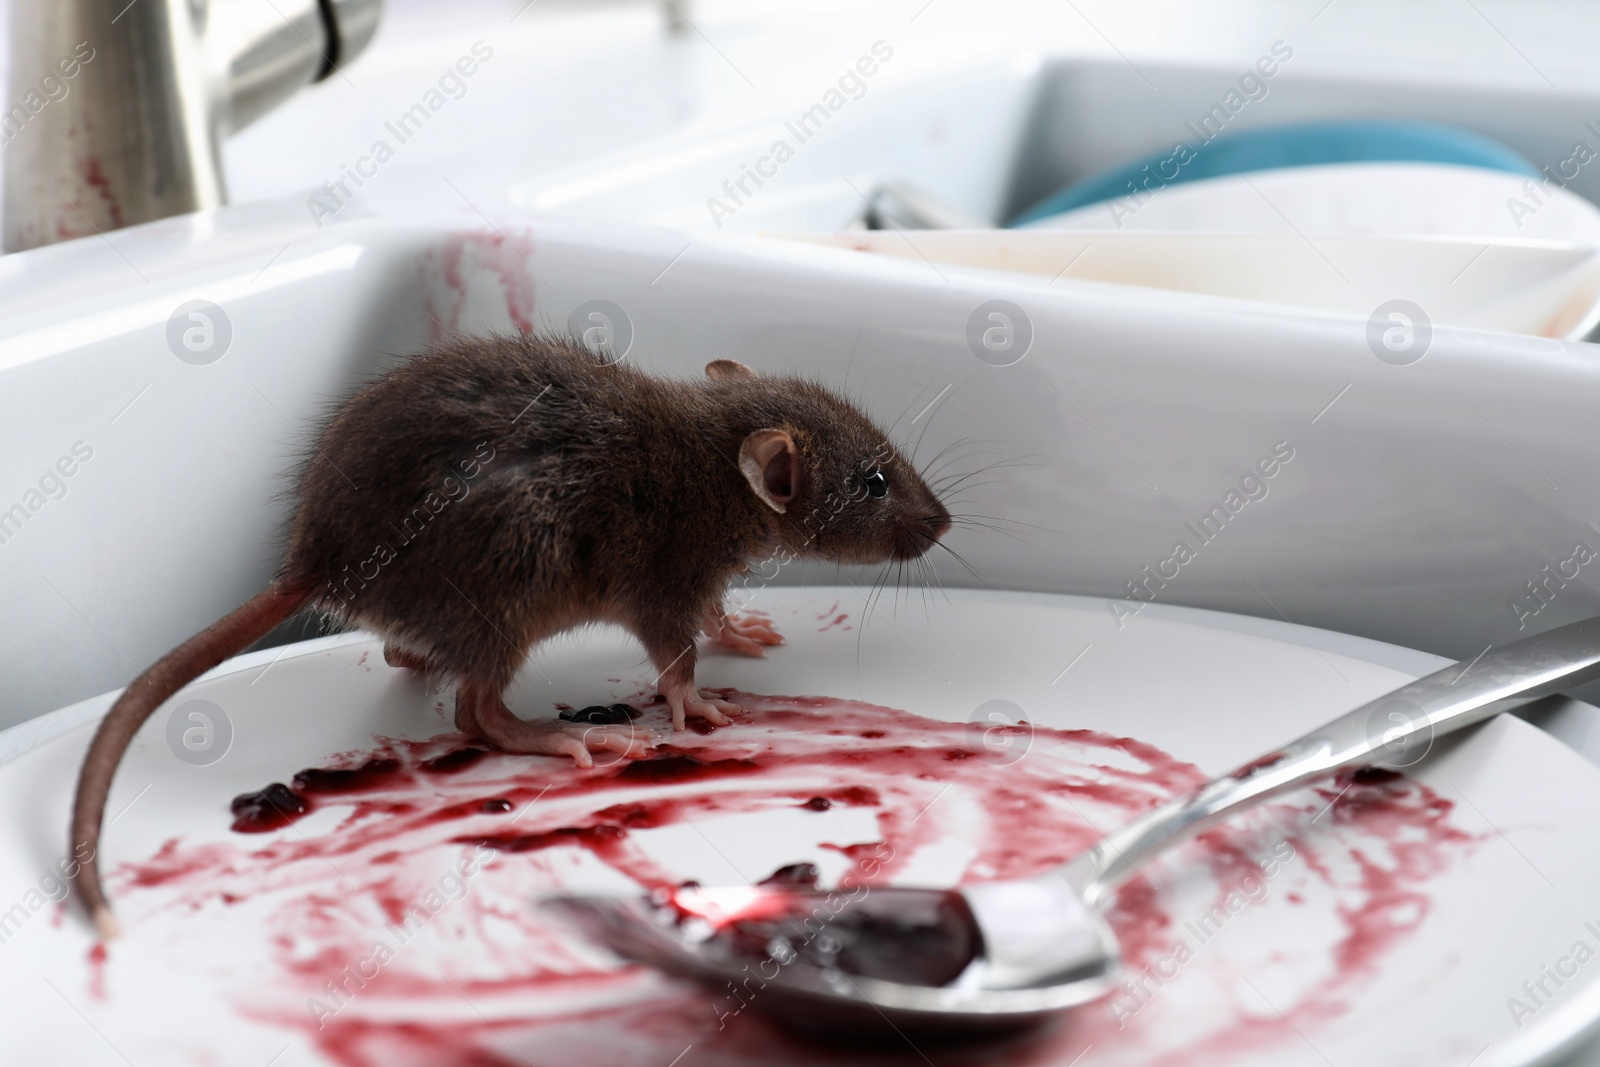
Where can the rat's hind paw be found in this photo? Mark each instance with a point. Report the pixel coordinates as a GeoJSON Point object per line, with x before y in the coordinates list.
{"type": "Point", "coordinates": [746, 634]}
{"type": "Point", "coordinates": [581, 740]}
{"type": "Point", "coordinates": [558, 738]}
{"type": "Point", "coordinates": [686, 700]}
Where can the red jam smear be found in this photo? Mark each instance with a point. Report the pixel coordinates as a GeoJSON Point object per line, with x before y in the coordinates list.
{"type": "Point", "coordinates": [443, 845]}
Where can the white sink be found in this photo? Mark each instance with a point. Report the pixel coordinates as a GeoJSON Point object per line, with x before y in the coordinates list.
{"type": "Point", "coordinates": [1420, 501]}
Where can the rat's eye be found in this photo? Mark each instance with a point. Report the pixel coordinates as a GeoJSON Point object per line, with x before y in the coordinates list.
{"type": "Point", "coordinates": [876, 482]}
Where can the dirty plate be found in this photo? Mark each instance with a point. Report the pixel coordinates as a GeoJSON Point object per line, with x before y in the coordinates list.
{"type": "Point", "coordinates": [1438, 918]}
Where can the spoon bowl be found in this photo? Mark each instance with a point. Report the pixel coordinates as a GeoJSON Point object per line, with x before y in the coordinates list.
{"type": "Point", "coordinates": [911, 959]}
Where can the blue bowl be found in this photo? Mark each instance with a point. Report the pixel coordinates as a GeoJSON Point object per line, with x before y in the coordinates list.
{"type": "Point", "coordinates": [1301, 145]}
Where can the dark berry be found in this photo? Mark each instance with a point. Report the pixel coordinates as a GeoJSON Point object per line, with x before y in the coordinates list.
{"type": "Point", "coordinates": [276, 805]}
{"type": "Point", "coordinates": [795, 874]}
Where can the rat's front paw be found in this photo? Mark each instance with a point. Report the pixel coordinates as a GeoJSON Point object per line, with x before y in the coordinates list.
{"type": "Point", "coordinates": [687, 700]}
{"type": "Point", "coordinates": [748, 635]}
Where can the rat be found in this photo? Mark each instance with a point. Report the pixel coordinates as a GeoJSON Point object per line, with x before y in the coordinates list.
{"type": "Point", "coordinates": [494, 492]}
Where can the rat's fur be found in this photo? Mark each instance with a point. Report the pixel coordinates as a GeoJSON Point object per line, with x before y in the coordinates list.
{"type": "Point", "coordinates": [494, 492]}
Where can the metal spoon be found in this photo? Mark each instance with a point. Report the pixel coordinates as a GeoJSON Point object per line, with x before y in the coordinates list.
{"type": "Point", "coordinates": [1004, 954]}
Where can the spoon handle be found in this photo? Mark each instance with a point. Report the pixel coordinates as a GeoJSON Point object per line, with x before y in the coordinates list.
{"type": "Point", "coordinates": [1393, 731]}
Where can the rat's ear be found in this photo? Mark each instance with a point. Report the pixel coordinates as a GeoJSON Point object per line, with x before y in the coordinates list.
{"type": "Point", "coordinates": [727, 370]}
{"type": "Point", "coordinates": [771, 464]}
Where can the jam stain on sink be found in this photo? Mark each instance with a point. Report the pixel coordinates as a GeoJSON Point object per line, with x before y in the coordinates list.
{"type": "Point", "coordinates": [450, 275]}
{"type": "Point", "coordinates": [404, 934]}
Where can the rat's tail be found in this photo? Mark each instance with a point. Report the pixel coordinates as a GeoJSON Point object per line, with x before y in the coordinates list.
{"type": "Point", "coordinates": [226, 637]}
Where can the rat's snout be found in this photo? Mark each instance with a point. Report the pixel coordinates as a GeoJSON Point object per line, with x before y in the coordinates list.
{"type": "Point", "coordinates": [916, 534]}
{"type": "Point", "coordinates": [934, 518]}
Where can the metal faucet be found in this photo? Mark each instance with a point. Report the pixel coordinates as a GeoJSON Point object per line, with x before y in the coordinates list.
{"type": "Point", "coordinates": [117, 109]}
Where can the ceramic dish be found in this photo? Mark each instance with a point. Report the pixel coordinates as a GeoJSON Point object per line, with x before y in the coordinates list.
{"type": "Point", "coordinates": [1423, 920]}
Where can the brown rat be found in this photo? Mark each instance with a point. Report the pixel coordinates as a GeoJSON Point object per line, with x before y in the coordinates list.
{"type": "Point", "coordinates": [495, 492]}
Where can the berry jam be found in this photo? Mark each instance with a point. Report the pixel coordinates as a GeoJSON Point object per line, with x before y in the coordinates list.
{"type": "Point", "coordinates": [371, 774]}
{"type": "Point", "coordinates": [269, 809]}
{"type": "Point", "coordinates": [912, 936]}
{"type": "Point", "coordinates": [795, 875]}
{"type": "Point", "coordinates": [442, 847]}
{"type": "Point", "coordinates": [602, 714]}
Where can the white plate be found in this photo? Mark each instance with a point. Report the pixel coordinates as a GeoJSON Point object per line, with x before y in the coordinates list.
{"type": "Point", "coordinates": [1446, 893]}
{"type": "Point", "coordinates": [1547, 288]}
